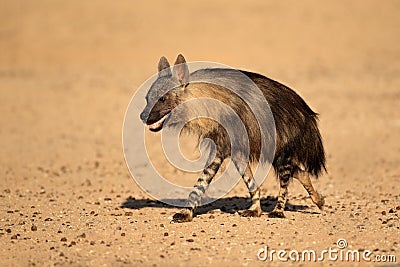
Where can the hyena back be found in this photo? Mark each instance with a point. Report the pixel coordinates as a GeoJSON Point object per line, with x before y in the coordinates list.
{"type": "Point", "coordinates": [299, 151]}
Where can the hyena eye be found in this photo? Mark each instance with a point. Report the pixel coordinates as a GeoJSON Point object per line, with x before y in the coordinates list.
{"type": "Point", "coordinates": [162, 99]}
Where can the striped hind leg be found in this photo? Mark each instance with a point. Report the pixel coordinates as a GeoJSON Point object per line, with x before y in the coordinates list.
{"type": "Point", "coordinates": [285, 172]}
{"type": "Point", "coordinates": [317, 198]}
{"type": "Point", "coordinates": [194, 200]}
{"type": "Point", "coordinates": [254, 190]}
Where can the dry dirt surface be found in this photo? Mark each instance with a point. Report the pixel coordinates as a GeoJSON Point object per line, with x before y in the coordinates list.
{"type": "Point", "coordinates": [68, 70]}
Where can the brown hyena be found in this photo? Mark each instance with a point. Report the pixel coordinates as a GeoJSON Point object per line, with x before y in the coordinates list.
{"type": "Point", "coordinates": [299, 151]}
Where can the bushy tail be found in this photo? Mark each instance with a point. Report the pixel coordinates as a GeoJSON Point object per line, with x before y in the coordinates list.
{"type": "Point", "coordinates": [315, 159]}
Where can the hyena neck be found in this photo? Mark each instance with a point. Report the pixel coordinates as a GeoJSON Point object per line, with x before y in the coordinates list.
{"type": "Point", "coordinates": [206, 112]}
{"type": "Point", "coordinates": [208, 90]}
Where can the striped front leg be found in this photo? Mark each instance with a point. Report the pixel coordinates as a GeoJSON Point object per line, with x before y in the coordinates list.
{"type": "Point", "coordinates": [194, 200]}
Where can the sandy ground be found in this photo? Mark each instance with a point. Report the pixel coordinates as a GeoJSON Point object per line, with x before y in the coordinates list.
{"type": "Point", "coordinates": [69, 68]}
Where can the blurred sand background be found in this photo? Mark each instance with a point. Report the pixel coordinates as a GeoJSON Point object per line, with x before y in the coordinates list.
{"type": "Point", "coordinates": [69, 68]}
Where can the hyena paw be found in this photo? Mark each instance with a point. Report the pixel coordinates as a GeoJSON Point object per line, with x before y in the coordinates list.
{"type": "Point", "coordinates": [319, 201]}
{"type": "Point", "coordinates": [276, 214]}
{"type": "Point", "coordinates": [183, 216]}
{"type": "Point", "coordinates": [251, 213]}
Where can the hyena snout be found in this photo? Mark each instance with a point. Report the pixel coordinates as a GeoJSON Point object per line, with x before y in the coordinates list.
{"type": "Point", "coordinates": [144, 115]}
{"type": "Point", "coordinates": [151, 116]}
{"type": "Point", "coordinates": [155, 118]}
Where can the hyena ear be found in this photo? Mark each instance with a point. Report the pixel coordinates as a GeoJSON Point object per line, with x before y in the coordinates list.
{"type": "Point", "coordinates": [164, 68]}
{"type": "Point", "coordinates": [181, 70]}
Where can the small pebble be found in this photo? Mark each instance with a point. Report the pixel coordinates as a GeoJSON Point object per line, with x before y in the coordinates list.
{"type": "Point", "coordinates": [82, 235]}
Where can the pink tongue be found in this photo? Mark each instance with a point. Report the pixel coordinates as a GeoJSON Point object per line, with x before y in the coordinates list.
{"type": "Point", "coordinates": [156, 124]}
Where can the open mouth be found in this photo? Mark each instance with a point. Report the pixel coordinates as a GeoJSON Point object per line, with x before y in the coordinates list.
{"type": "Point", "coordinates": [155, 127]}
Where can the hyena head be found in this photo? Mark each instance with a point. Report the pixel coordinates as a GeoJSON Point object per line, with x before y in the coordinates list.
{"type": "Point", "coordinates": [166, 93]}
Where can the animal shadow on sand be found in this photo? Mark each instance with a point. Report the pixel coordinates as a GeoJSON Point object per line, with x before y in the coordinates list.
{"type": "Point", "coordinates": [228, 205]}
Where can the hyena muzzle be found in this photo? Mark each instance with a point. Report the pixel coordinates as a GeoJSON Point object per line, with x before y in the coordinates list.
{"type": "Point", "coordinates": [299, 152]}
